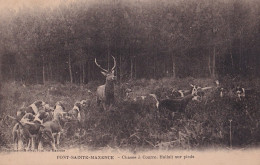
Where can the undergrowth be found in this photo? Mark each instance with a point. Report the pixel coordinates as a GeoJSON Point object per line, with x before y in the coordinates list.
{"type": "Point", "coordinates": [137, 125]}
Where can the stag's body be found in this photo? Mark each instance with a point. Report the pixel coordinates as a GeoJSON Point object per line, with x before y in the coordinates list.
{"type": "Point", "coordinates": [105, 93]}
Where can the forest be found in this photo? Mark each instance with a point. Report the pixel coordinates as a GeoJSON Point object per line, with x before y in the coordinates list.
{"type": "Point", "coordinates": [48, 54]}
{"type": "Point", "coordinates": [149, 39]}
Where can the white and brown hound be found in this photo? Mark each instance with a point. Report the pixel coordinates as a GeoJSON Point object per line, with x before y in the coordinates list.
{"type": "Point", "coordinates": [241, 92]}
{"type": "Point", "coordinates": [54, 127]}
{"type": "Point", "coordinates": [78, 113]}
{"type": "Point", "coordinates": [33, 109]}
{"type": "Point", "coordinates": [27, 129]}
{"type": "Point", "coordinates": [19, 132]}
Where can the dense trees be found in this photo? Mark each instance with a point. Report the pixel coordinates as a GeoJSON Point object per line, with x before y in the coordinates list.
{"type": "Point", "coordinates": [150, 39]}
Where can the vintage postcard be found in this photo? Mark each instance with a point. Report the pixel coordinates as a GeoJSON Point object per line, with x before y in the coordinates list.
{"type": "Point", "coordinates": [129, 82]}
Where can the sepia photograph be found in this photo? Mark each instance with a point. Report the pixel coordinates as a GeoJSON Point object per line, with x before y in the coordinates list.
{"type": "Point", "coordinates": [130, 81]}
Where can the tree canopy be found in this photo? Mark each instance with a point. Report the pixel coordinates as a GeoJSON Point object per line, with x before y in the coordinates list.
{"type": "Point", "coordinates": [149, 39]}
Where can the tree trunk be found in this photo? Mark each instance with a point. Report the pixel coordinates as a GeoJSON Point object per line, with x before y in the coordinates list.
{"type": "Point", "coordinates": [132, 67]}
{"type": "Point", "coordinates": [240, 55]}
{"type": "Point", "coordinates": [83, 73]}
{"type": "Point", "coordinates": [173, 67]}
{"type": "Point", "coordinates": [27, 75]}
{"type": "Point", "coordinates": [154, 64]}
{"type": "Point", "coordinates": [79, 74]}
{"type": "Point", "coordinates": [209, 65]}
{"type": "Point", "coordinates": [43, 71]}
{"type": "Point", "coordinates": [14, 73]}
{"type": "Point", "coordinates": [164, 68]}
{"type": "Point", "coordinates": [108, 59]}
{"type": "Point", "coordinates": [231, 55]}
{"type": "Point", "coordinates": [70, 70]}
{"type": "Point", "coordinates": [36, 75]}
{"type": "Point", "coordinates": [135, 69]}
{"type": "Point", "coordinates": [11, 72]}
{"type": "Point", "coordinates": [50, 69]}
{"type": "Point", "coordinates": [47, 72]}
{"type": "Point", "coordinates": [89, 68]}
{"type": "Point", "coordinates": [214, 62]}
{"type": "Point", "coordinates": [120, 69]}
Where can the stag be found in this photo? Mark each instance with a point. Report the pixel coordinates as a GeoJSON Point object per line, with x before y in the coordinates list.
{"type": "Point", "coordinates": [105, 93]}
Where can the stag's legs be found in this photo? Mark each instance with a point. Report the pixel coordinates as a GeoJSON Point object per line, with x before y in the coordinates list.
{"type": "Point", "coordinates": [109, 108]}
{"type": "Point", "coordinates": [173, 114]}
{"type": "Point", "coordinates": [98, 101]}
{"type": "Point", "coordinates": [104, 106]}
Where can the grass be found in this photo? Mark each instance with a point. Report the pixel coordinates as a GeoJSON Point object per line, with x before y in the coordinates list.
{"type": "Point", "coordinates": [138, 125]}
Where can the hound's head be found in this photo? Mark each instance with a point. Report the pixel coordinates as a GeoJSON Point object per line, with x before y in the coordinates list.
{"type": "Point", "coordinates": [59, 105]}
{"type": "Point", "coordinates": [177, 93]}
{"type": "Point", "coordinates": [84, 102]}
{"type": "Point", "coordinates": [194, 90]}
{"type": "Point", "coordinates": [74, 113]}
{"type": "Point", "coordinates": [41, 115]}
{"type": "Point", "coordinates": [39, 103]}
{"type": "Point", "coordinates": [77, 106]}
{"type": "Point", "coordinates": [20, 113]}
{"type": "Point", "coordinates": [240, 92]}
{"type": "Point", "coordinates": [61, 116]}
{"type": "Point", "coordinates": [48, 108]}
{"type": "Point", "coordinates": [28, 117]}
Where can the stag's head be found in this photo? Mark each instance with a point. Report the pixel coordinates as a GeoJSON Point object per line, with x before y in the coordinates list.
{"type": "Point", "coordinates": [109, 74]}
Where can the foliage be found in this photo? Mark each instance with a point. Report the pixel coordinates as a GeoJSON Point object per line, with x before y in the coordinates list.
{"type": "Point", "coordinates": [137, 125]}
{"type": "Point", "coordinates": [149, 40]}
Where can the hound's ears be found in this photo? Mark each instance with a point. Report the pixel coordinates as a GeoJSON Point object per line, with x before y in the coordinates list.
{"type": "Point", "coordinates": [104, 73]}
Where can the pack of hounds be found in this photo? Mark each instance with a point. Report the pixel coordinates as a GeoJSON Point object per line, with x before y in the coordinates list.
{"type": "Point", "coordinates": [40, 123]}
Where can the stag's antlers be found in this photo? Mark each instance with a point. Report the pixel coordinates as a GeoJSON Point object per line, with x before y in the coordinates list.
{"type": "Point", "coordinates": [114, 64]}
{"type": "Point", "coordinates": [100, 66]}
{"type": "Point", "coordinates": [105, 69]}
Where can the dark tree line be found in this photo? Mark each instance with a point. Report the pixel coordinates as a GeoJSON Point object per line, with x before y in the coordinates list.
{"type": "Point", "coordinates": [149, 39]}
